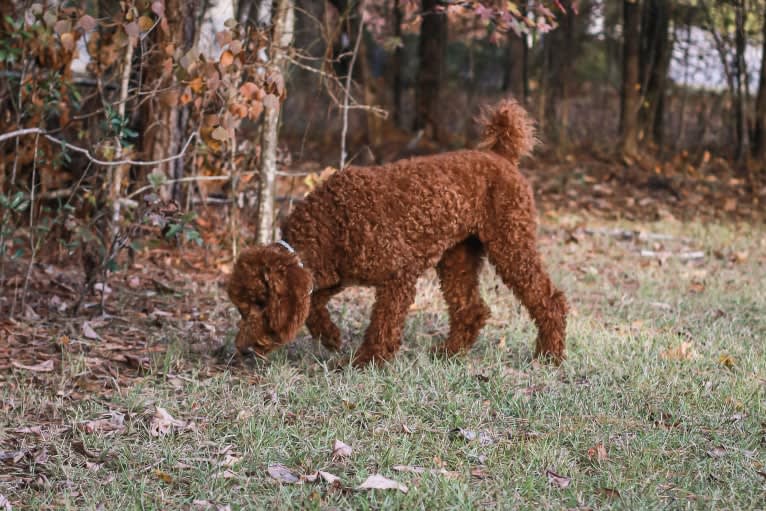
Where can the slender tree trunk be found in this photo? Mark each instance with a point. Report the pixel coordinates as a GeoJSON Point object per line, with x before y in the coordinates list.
{"type": "Point", "coordinates": [515, 76]}
{"type": "Point", "coordinates": [759, 142]}
{"type": "Point", "coordinates": [432, 52]}
{"type": "Point", "coordinates": [631, 94]}
{"type": "Point", "coordinates": [164, 123]}
{"type": "Point", "coordinates": [559, 54]}
{"type": "Point", "coordinates": [654, 63]}
{"type": "Point", "coordinates": [741, 81]}
{"type": "Point", "coordinates": [282, 37]}
{"type": "Point", "coordinates": [397, 64]}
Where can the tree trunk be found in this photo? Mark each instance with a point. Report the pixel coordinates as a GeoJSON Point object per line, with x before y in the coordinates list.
{"type": "Point", "coordinates": [515, 76]}
{"type": "Point", "coordinates": [631, 93]}
{"type": "Point", "coordinates": [164, 123]}
{"type": "Point", "coordinates": [654, 62]}
{"type": "Point", "coordinates": [282, 37]}
{"type": "Point", "coordinates": [759, 141]}
{"type": "Point", "coordinates": [741, 81]}
{"type": "Point", "coordinates": [432, 53]}
{"type": "Point", "coordinates": [397, 64]}
{"type": "Point", "coordinates": [559, 55]}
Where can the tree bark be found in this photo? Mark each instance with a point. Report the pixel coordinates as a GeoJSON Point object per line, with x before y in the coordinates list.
{"type": "Point", "coordinates": [630, 97]}
{"type": "Point", "coordinates": [432, 53]}
{"type": "Point", "coordinates": [282, 37]}
{"type": "Point", "coordinates": [741, 82]}
{"type": "Point", "coordinates": [164, 123]}
{"type": "Point", "coordinates": [559, 53]}
{"type": "Point", "coordinates": [654, 62]}
{"type": "Point", "coordinates": [759, 140]}
{"type": "Point", "coordinates": [397, 64]}
{"type": "Point", "coordinates": [515, 77]}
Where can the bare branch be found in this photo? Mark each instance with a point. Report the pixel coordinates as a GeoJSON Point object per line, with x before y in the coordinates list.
{"type": "Point", "coordinates": [344, 131]}
{"type": "Point", "coordinates": [93, 159]}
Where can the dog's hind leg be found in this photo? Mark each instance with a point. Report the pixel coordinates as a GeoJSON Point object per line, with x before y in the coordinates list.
{"type": "Point", "coordinates": [320, 323]}
{"type": "Point", "coordinates": [384, 335]}
{"type": "Point", "coordinates": [458, 272]}
{"type": "Point", "coordinates": [510, 238]}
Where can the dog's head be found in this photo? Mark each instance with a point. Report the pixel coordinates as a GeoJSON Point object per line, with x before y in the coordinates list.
{"type": "Point", "coordinates": [272, 292]}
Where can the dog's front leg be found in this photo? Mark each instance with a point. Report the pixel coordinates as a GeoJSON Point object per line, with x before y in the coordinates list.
{"type": "Point", "coordinates": [320, 323]}
{"type": "Point", "coordinates": [384, 335]}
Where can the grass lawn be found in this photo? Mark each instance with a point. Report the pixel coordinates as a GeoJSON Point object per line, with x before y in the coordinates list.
{"type": "Point", "coordinates": [661, 404]}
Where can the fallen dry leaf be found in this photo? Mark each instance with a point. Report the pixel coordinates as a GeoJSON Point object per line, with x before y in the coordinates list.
{"type": "Point", "coordinates": [717, 452]}
{"type": "Point", "coordinates": [609, 493]}
{"type": "Point", "coordinates": [378, 482]}
{"type": "Point", "coordinates": [598, 452]}
{"type": "Point", "coordinates": [205, 505]}
{"type": "Point", "coordinates": [163, 423]}
{"type": "Point", "coordinates": [557, 480]}
{"type": "Point", "coordinates": [42, 367]}
{"type": "Point", "coordinates": [468, 435]}
{"type": "Point", "coordinates": [93, 467]}
{"type": "Point", "coordinates": [226, 474]}
{"type": "Point", "coordinates": [683, 351]}
{"type": "Point", "coordinates": [88, 332]}
{"type": "Point", "coordinates": [341, 450]}
{"type": "Point", "coordinates": [727, 361]}
{"type": "Point", "coordinates": [163, 476]}
{"type": "Point", "coordinates": [229, 461]}
{"type": "Point", "coordinates": [321, 475]}
{"type": "Point", "coordinates": [282, 474]}
{"type": "Point", "coordinates": [113, 421]}
{"type": "Point", "coordinates": [479, 472]}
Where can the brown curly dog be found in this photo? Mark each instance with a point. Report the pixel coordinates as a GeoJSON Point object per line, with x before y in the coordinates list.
{"type": "Point", "coordinates": [384, 226]}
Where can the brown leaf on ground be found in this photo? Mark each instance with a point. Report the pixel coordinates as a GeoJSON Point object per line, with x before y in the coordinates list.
{"type": "Point", "coordinates": [479, 472]}
{"type": "Point", "coordinates": [683, 351]}
{"type": "Point", "coordinates": [320, 475]}
{"type": "Point", "coordinates": [163, 423]}
{"type": "Point", "coordinates": [378, 482]}
{"type": "Point", "coordinates": [163, 476]}
{"type": "Point", "coordinates": [468, 435]}
{"type": "Point", "coordinates": [718, 452]}
{"type": "Point", "coordinates": [557, 480]}
{"type": "Point", "coordinates": [42, 367]}
{"type": "Point", "coordinates": [727, 361]}
{"type": "Point", "coordinates": [93, 467]}
{"type": "Point", "coordinates": [598, 453]}
{"type": "Point", "coordinates": [111, 422]}
{"type": "Point", "coordinates": [341, 450]}
{"type": "Point", "coordinates": [609, 493]}
{"type": "Point", "coordinates": [88, 332]}
{"type": "Point", "coordinates": [282, 474]}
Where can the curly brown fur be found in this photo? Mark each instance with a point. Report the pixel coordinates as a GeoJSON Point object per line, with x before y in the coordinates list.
{"type": "Point", "coordinates": [384, 226]}
{"type": "Point", "coordinates": [272, 292]}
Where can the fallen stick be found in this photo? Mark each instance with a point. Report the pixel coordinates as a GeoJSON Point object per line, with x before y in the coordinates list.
{"type": "Point", "coordinates": [684, 256]}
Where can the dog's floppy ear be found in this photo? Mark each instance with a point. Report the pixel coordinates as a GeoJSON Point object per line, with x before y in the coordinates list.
{"type": "Point", "coordinates": [288, 301]}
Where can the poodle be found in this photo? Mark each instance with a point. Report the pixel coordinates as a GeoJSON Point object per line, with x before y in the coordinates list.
{"type": "Point", "coordinates": [384, 226]}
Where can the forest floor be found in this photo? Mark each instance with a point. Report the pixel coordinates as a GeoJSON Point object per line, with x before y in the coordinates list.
{"type": "Point", "coordinates": [661, 404]}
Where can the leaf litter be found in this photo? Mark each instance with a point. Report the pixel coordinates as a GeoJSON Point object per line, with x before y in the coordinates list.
{"type": "Point", "coordinates": [379, 482]}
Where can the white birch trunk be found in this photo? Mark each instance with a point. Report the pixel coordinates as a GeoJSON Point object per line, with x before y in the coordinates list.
{"type": "Point", "coordinates": [284, 18]}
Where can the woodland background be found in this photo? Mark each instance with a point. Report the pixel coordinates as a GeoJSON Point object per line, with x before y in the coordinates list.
{"type": "Point", "coordinates": [143, 143]}
{"type": "Point", "coordinates": [123, 117]}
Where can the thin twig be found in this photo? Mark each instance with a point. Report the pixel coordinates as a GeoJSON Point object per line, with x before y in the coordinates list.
{"type": "Point", "coordinates": [93, 159]}
{"type": "Point", "coordinates": [344, 131]}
